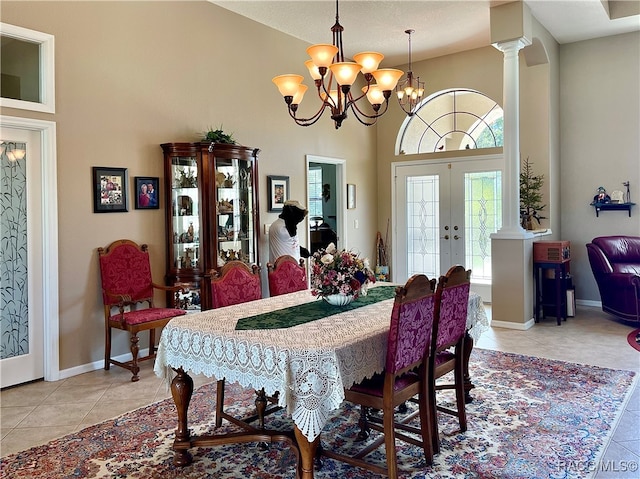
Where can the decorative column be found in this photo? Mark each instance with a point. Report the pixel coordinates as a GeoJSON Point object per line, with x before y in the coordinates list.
{"type": "Point", "coordinates": [511, 227]}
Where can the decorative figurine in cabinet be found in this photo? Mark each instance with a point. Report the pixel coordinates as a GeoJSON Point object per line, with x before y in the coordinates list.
{"type": "Point", "coordinates": [212, 214]}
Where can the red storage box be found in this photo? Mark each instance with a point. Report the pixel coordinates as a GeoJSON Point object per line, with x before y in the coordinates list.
{"type": "Point", "coordinates": [551, 251]}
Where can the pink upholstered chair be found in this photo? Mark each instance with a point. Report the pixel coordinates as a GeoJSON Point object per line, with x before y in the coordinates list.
{"type": "Point", "coordinates": [286, 275]}
{"type": "Point", "coordinates": [452, 305]}
{"type": "Point", "coordinates": [408, 349]}
{"type": "Point", "coordinates": [126, 283]}
{"type": "Point", "coordinates": [235, 283]}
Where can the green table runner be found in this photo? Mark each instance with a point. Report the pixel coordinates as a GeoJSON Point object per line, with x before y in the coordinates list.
{"type": "Point", "coordinates": [304, 313]}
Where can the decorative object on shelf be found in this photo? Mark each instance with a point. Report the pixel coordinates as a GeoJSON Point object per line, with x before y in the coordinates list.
{"type": "Point", "coordinates": [333, 78]}
{"type": "Point", "coordinates": [617, 196]}
{"type": "Point", "coordinates": [601, 196]}
{"type": "Point", "coordinates": [219, 136]}
{"type": "Point", "coordinates": [220, 179]}
{"type": "Point", "coordinates": [530, 196]}
{"type": "Point", "coordinates": [628, 195]}
{"type": "Point", "coordinates": [146, 192]}
{"type": "Point", "coordinates": [278, 190]}
{"type": "Point", "coordinates": [229, 182]}
{"type": "Point", "coordinates": [225, 206]}
{"type": "Point", "coordinates": [410, 90]}
{"type": "Point", "coordinates": [186, 179]}
{"type": "Point", "coordinates": [341, 273]}
{"type": "Point", "coordinates": [109, 190]}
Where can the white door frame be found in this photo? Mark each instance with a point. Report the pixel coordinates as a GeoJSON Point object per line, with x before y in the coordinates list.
{"type": "Point", "coordinates": [49, 205]}
{"type": "Point", "coordinates": [341, 195]}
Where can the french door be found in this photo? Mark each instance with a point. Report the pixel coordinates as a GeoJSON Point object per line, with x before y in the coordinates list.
{"type": "Point", "coordinates": [444, 214]}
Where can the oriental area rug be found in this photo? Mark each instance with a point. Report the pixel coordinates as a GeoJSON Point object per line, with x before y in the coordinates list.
{"type": "Point", "coordinates": [530, 418]}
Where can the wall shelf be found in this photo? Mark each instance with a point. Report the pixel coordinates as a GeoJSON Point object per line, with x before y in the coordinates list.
{"type": "Point", "coordinates": [612, 207]}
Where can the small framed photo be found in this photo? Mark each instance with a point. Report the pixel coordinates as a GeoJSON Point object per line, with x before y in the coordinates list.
{"type": "Point", "coordinates": [351, 196]}
{"type": "Point", "coordinates": [278, 188]}
{"type": "Point", "coordinates": [146, 192]}
{"type": "Point", "coordinates": [109, 190]}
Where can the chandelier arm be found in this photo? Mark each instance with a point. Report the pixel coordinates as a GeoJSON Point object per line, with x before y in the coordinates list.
{"type": "Point", "coordinates": [358, 112]}
{"type": "Point", "coordinates": [307, 121]}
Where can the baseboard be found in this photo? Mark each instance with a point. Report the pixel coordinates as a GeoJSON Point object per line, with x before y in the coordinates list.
{"type": "Point", "coordinates": [94, 366]}
{"type": "Point", "coordinates": [588, 302]}
{"type": "Point", "coordinates": [510, 325]}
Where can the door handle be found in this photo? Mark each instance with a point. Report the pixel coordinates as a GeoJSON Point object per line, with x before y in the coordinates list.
{"type": "Point", "coordinates": [446, 237]}
{"type": "Point", "coordinates": [456, 237]}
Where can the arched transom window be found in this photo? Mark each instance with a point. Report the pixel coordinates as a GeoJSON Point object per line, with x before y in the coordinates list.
{"type": "Point", "coordinates": [452, 120]}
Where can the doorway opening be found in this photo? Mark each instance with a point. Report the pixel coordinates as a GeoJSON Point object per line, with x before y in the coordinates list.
{"type": "Point", "coordinates": [326, 202]}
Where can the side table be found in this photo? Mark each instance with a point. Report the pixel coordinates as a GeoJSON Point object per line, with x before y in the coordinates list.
{"type": "Point", "coordinates": [560, 287]}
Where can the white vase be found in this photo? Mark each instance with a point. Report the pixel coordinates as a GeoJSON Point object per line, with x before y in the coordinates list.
{"type": "Point", "coordinates": [338, 299]}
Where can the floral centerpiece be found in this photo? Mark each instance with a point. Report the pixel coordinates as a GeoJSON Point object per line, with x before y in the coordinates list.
{"type": "Point", "coordinates": [339, 273]}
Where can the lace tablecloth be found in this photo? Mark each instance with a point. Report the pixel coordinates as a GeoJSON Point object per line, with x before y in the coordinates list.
{"type": "Point", "coordinates": [309, 364]}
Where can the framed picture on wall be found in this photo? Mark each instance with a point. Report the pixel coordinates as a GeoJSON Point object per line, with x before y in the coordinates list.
{"type": "Point", "coordinates": [146, 192]}
{"type": "Point", "coordinates": [351, 196]}
{"type": "Point", "coordinates": [278, 190]}
{"type": "Point", "coordinates": [109, 190]}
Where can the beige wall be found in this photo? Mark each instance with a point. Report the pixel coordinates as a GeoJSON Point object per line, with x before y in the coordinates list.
{"type": "Point", "coordinates": [600, 143]}
{"type": "Point", "coordinates": [132, 75]}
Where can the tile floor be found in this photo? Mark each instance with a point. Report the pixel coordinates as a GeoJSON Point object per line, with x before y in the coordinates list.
{"type": "Point", "coordinates": [35, 413]}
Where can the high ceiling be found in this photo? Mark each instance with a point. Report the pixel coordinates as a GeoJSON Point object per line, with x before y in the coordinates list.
{"type": "Point", "coordinates": [441, 27]}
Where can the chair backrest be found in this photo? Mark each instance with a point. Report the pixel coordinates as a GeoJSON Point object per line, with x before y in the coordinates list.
{"type": "Point", "coordinates": [615, 254]}
{"type": "Point", "coordinates": [235, 283]}
{"type": "Point", "coordinates": [125, 270]}
{"type": "Point", "coordinates": [286, 275]}
{"type": "Point", "coordinates": [412, 321]}
{"type": "Point", "coordinates": [452, 304]}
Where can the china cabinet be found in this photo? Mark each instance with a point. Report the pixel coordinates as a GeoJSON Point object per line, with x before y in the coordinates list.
{"type": "Point", "coordinates": [211, 214]}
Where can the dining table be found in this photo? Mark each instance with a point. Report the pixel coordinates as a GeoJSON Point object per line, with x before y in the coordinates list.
{"type": "Point", "coordinates": [294, 346]}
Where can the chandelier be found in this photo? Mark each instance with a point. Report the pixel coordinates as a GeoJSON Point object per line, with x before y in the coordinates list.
{"type": "Point", "coordinates": [333, 78]}
{"type": "Point", "coordinates": [410, 90]}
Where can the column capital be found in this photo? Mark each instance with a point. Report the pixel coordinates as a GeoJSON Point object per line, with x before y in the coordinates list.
{"type": "Point", "coordinates": [512, 45]}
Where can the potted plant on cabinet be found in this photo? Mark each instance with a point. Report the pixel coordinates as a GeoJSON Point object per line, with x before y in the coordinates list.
{"type": "Point", "coordinates": [530, 196]}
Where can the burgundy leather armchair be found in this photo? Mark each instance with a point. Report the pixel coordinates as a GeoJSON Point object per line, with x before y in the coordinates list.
{"type": "Point", "coordinates": [615, 262]}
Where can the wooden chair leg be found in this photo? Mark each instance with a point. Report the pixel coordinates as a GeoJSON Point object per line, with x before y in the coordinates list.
{"type": "Point", "coordinates": [460, 391]}
{"type": "Point", "coordinates": [390, 443]}
{"type": "Point", "coordinates": [135, 369]}
{"type": "Point", "coordinates": [152, 341]}
{"type": "Point", "coordinates": [363, 422]}
{"type": "Point", "coordinates": [107, 347]}
{"type": "Point", "coordinates": [219, 401]}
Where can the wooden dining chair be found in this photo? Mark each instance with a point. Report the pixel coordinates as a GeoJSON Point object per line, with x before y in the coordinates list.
{"type": "Point", "coordinates": [286, 275]}
{"type": "Point", "coordinates": [125, 272]}
{"type": "Point", "coordinates": [451, 308]}
{"type": "Point", "coordinates": [408, 349]}
{"type": "Point", "coordinates": [235, 283]}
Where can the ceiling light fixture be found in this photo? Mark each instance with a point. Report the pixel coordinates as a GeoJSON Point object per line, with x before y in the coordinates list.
{"type": "Point", "coordinates": [334, 77]}
{"type": "Point", "coordinates": [12, 151]}
{"type": "Point", "coordinates": [410, 90]}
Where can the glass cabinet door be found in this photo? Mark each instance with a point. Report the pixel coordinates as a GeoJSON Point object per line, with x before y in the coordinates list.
{"type": "Point", "coordinates": [185, 225]}
{"type": "Point", "coordinates": [235, 210]}
{"type": "Point", "coordinates": [185, 205]}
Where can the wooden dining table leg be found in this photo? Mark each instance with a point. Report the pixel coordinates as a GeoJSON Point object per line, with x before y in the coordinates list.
{"type": "Point", "coordinates": [181, 390]}
{"type": "Point", "coordinates": [307, 454]}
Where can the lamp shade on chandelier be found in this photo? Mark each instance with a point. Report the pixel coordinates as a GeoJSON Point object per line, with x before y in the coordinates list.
{"type": "Point", "coordinates": [334, 77]}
